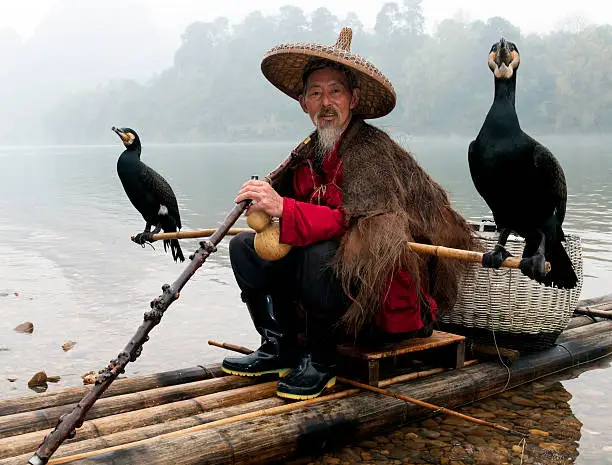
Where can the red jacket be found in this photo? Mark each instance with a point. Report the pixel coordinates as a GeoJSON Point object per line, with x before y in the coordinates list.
{"type": "Point", "coordinates": [315, 214]}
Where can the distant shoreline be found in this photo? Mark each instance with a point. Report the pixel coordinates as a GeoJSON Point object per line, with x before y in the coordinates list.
{"type": "Point", "coordinates": [398, 136]}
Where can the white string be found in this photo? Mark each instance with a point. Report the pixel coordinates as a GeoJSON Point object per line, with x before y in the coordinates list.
{"type": "Point", "coordinates": [493, 332]}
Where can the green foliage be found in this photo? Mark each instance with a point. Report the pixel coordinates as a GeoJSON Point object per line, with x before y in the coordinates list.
{"type": "Point", "coordinates": [215, 90]}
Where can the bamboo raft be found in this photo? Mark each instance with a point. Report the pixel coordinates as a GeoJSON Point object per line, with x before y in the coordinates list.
{"type": "Point", "coordinates": [200, 415]}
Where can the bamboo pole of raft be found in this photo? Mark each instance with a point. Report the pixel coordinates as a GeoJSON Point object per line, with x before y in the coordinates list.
{"type": "Point", "coordinates": [20, 423]}
{"type": "Point", "coordinates": [97, 435]}
{"type": "Point", "coordinates": [247, 415]}
{"type": "Point", "coordinates": [385, 392]}
{"type": "Point", "coordinates": [120, 387]}
{"type": "Point", "coordinates": [426, 249]}
{"type": "Point", "coordinates": [260, 440]}
{"type": "Point", "coordinates": [602, 326]}
{"type": "Point", "coordinates": [127, 427]}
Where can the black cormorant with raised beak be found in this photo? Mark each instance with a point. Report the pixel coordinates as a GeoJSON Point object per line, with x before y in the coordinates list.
{"type": "Point", "coordinates": [149, 192]}
{"type": "Point", "coordinates": [520, 180]}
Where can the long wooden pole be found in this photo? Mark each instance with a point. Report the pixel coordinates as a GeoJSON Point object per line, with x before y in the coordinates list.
{"type": "Point", "coordinates": [426, 249]}
{"type": "Point", "coordinates": [67, 425]}
{"type": "Point", "coordinates": [195, 234]}
{"type": "Point", "coordinates": [436, 408]}
{"type": "Point", "coordinates": [420, 403]}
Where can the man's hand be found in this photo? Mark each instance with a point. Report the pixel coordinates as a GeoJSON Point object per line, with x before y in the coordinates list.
{"type": "Point", "coordinates": [265, 197]}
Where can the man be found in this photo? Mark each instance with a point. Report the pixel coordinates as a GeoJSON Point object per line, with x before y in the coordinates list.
{"type": "Point", "coordinates": [349, 205]}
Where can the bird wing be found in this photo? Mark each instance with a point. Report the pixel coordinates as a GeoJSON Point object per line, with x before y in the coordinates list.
{"type": "Point", "coordinates": [473, 165]}
{"type": "Point", "coordinates": [161, 191]}
{"type": "Point", "coordinates": [551, 175]}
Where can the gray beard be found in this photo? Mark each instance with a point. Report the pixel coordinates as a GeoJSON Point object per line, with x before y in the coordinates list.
{"type": "Point", "coordinates": [327, 138]}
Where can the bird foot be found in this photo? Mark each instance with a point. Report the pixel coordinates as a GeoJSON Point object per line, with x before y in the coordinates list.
{"type": "Point", "coordinates": [141, 238]}
{"type": "Point", "coordinates": [495, 257]}
{"type": "Point", "coordinates": [533, 267]}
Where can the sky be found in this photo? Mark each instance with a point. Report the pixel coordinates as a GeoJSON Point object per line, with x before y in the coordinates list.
{"type": "Point", "coordinates": [174, 15]}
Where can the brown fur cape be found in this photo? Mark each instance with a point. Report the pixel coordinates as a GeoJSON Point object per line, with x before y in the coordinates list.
{"type": "Point", "coordinates": [388, 201]}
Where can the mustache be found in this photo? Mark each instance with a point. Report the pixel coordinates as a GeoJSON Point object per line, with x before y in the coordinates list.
{"type": "Point", "coordinates": [326, 112]}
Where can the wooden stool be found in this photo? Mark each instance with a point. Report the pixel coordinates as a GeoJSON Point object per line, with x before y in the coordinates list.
{"type": "Point", "coordinates": [451, 348]}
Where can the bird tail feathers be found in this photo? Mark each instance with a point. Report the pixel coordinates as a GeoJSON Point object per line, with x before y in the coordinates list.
{"type": "Point", "coordinates": [562, 273]}
{"type": "Point", "coordinates": [175, 248]}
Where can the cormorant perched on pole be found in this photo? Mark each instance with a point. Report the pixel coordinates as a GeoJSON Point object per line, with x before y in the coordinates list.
{"type": "Point", "coordinates": [521, 181]}
{"type": "Point", "coordinates": [149, 192]}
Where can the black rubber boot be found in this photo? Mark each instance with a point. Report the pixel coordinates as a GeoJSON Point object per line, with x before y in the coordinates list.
{"type": "Point", "coordinates": [307, 380]}
{"type": "Point", "coordinates": [274, 355]}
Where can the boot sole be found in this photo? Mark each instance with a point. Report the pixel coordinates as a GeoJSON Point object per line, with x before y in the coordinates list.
{"type": "Point", "coordinates": [331, 383]}
{"type": "Point", "coordinates": [282, 372]}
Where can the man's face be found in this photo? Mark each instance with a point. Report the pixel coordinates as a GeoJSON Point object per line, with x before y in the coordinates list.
{"type": "Point", "coordinates": [327, 99]}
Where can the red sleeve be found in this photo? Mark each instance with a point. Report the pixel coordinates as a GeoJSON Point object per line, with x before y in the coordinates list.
{"type": "Point", "coordinates": [306, 223]}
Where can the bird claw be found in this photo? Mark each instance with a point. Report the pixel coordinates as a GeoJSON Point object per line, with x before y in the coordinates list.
{"type": "Point", "coordinates": [143, 239]}
{"type": "Point", "coordinates": [496, 257]}
{"type": "Point", "coordinates": [533, 267]}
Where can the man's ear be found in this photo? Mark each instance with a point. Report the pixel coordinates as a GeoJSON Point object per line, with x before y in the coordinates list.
{"type": "Point", "coordinates": [355, 98]}
{"type": "Point", "coordinates": [303, 103]}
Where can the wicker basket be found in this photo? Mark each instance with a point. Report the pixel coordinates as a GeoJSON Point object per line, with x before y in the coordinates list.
{"type": "Point", "coordinates": [506, 307]}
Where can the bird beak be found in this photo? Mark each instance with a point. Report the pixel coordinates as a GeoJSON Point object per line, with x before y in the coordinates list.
{"type": "Point", "coordinates": [125, 138]}
{"type": "Point", "coordinates": [504, 62]}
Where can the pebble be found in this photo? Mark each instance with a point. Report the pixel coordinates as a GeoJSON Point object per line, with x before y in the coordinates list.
{"type": "Point", "coordinates": [430, 434]}
{"type": "Point", "coordinates": [26, 327]}
{"type": "Point", "coordinates": [38, 379]}
{"type": "Point", "coordinates": [538, 432]}
{"type": "Point", "coordinates": [430, 423]}
{"type": "Point", "coordinates": [368, 444]}
{"type": "Point", "coordinates": [523, 402]}
{"type": "Point", "coordinates": [66, 346]}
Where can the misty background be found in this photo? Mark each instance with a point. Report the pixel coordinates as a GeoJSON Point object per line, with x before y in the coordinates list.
{"type": "Point", "coordinates": [87, 66]}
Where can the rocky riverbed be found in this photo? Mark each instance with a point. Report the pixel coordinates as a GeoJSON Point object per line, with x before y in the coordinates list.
{"type": "Point", "coordinates": [542, 408]}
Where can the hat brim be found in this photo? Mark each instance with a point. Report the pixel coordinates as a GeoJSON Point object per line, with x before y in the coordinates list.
{"type": "Point", "coordinates": [284, 65]}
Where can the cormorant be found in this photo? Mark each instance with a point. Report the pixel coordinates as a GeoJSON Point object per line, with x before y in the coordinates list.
{"type": "Point", "coordinates": [520, 180]}
{"type": "Point", "coordinates": [149, 192]}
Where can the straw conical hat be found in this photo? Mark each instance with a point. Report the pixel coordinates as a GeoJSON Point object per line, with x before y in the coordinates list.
{"type": "Point", "coordinates": [284, 66]}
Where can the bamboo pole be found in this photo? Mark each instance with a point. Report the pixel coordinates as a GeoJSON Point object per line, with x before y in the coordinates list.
{"type": "Point", "coordinates": [19, 423]}
{"type": "Point", "coordinates": [106, 426]}
{"type": "Point", "coordinates": [426, 249]}
{"type": "Point", "coordinates": [27, 442]}
{"type": "Point", "coordinates": [602, 326]}
{"type": "Point", "coordinates": [195, 234]}
{"type": "Point", "coordinates": [285, 408]}
{"type": "Point", "coordinates": [99, 433]}
{"type": "Point", "coordinates": [577, 321]}
{"type": "Point", "coordinates": [427, 405]}
{"type": "Point", "coordinates": [385, 392]}
{"type": "Point", "coordinates": [121, 386]}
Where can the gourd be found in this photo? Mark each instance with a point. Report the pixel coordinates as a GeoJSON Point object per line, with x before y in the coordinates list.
{"type": "Point", "coordinates": [267, 236]}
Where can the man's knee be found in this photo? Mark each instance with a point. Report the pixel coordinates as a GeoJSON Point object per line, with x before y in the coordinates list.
{"type": "Point", "coordinates": [240, 244]}
{"type": "Point", "coordinates": [320, 285]}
